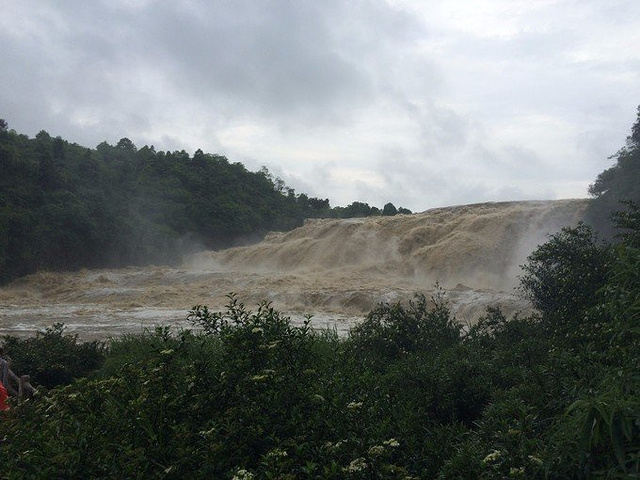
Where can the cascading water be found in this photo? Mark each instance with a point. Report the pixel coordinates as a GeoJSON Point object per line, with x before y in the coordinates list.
{"type": "Point", "coordinates": [336, 270]}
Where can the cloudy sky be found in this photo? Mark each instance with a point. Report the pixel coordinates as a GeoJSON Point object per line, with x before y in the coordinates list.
{"type": "Point", "coordinates": [422, 103]}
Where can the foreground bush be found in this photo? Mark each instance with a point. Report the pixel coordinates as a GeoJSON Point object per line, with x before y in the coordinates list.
{"type": "Point", "coordinates": [252, 392]}
{"type": "Point", "coordinates": [408, 394]}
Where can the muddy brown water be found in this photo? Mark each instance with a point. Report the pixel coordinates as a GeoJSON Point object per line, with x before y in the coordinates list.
{"type": "Point", "coordinates": [335, 270]}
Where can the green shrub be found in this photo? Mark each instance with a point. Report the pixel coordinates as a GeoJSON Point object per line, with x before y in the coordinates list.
{"type": "Point", "coordinates": [52, 357]}
{"type": "Point", "coordinates": [390, 332]}
{"type": "Point", "coordinates": [562, 278]}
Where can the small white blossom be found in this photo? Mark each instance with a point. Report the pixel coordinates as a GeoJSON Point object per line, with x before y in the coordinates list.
{"type": "Point", "coordinates": [277, 453]}
{"type": "Point", "coordinates": [492, 457]}
{"type": "Point", "coordinates": [357, 465]}
{"type": "Point", "coordinates": [516, 472]}
{"type": "Point", "coordinates": [376, 450]}
{"type": "Point", "coordinates": [354, 405]}
{"type": "Point", "coordinates": [337, 445]}
{"type": "Point", "coordinates": [243, 474]}
{"type": "Point", "coordinates": [207, 433]}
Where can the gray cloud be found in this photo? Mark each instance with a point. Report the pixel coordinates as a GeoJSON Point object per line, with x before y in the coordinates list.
{"type": "Point", "coordinates": [419, 103]}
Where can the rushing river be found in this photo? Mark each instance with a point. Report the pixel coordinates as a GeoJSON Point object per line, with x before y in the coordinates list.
{"type": "Point", "coordinates": [335, 270]}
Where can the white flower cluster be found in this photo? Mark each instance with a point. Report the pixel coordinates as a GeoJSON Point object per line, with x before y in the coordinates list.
{"type": "Point", "coordinates": [357, 465]}
{"type": "Point", "coordinates": [535, 460]}
{"type": "Point", "coordinates": [336, 446]}
{"type": "Point", "coordinates": [243, 474]}
{"type": "Point", "coordinates": [376, 450]}
{"type": "Point", "coordinates": [392, 442]}
{"type": "Point", "coordinates": [277, 453]}
{"type": "Point", "coordinates": [492, 457]}
{"type": "Point", "coordinates": [516, 472]}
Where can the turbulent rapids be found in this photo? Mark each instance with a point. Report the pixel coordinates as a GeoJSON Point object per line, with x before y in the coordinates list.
{"type": "Point", "coordinates": [335, 270]}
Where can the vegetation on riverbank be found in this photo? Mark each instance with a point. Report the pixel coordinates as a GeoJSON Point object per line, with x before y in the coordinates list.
{"type": "Point", "coordinates": [408, 394]}
{"type": "Point", "coordinates": [64, 206]}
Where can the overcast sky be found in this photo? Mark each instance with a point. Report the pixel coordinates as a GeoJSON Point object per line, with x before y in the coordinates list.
{"type": "Point", "coordinates": [421, 103]}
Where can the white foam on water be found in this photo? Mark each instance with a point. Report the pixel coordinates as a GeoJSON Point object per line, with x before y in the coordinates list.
{"type": "Point", "coordinates": [335, 270]}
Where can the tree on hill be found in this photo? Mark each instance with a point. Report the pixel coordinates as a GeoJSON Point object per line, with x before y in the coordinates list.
{"type": "Point", "coordinates": [616, 185]}
{"type": "Point", "coordinates": [389, 210]}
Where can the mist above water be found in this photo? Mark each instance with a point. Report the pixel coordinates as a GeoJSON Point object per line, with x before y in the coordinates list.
{"type": "Point", "coordinates": [336, 270]}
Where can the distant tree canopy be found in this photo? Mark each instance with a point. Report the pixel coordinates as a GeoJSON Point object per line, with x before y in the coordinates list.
{"type": "Point", "coordinates": [616, 186]}
{"type": "Point", "coordinates": [64, 206]}
{"type": "Point", "coordinates": [389, 210]}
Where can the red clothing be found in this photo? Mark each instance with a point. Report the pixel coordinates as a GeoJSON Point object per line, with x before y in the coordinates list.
{"type": "Point", "coordinates": [3, 397]}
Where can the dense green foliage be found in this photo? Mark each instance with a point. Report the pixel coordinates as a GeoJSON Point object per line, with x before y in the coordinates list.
{"type": "Point", "coordinates": [562, 276]}
{"type": "Point", "coordinates": [616, 185]}
{"type": "Point", "coordinates": [53, 358]}
{"type": "Point", "coordinates": [408, 394]}
{"type": "Point", "coordinates": [63, 206]}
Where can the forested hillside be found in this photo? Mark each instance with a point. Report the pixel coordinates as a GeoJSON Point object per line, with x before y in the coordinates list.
{"type": "Point", "coordinates": [64, 206]}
